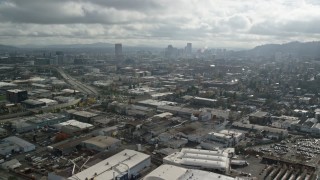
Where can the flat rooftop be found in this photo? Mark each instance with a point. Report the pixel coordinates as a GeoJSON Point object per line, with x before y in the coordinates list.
{"type": "Point", "coordinates": [174, 172]}
{"type": "Point", "coordinates": [102, 141]}
{"type": "Point", "coordinates": [85, 114]}
{"type": "Point", "coordinates": [77, 124]}
{"type": "Point", "coordinates": [200, 158]}
{"type": "Point", "coordinates": [15, 90]}
{"type": "Point", "coordinates": [114, 165]}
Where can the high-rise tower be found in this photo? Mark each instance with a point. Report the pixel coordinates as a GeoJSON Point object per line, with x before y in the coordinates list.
{"type": "Point", "coordinates": [118, 50]}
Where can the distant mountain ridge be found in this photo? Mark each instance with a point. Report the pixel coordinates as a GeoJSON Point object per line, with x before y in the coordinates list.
{"type": "Point", "coordinates": [299, 49]}
{"type": "Point", "coordinates": [71, 46]}
{"type": "Point", "coordinates": [296, 49]}
{"type": "Point", "coordinates": [6, 47]}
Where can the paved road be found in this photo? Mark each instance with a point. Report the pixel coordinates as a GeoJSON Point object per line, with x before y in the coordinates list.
{"type": "Point", "coordinates": [77, 84]}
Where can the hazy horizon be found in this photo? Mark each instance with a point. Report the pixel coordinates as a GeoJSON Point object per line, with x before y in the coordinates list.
{"type": "Point", "coordinates": [221, 23]}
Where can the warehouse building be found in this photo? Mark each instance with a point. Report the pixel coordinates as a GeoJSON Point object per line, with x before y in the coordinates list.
{"type": "Point", "coordinates": [101, 143]}
{"type": "Point", "coordinates": [200, 159]}
{"type": "Point", "coordinates": [48, 102]}
{"type": "Point", "coordinates": [38, 121]}
{"type": "Point", "coordinates": [174, 172]}
{"type": "Point", "coordinates": [23, 145]}
{"type": "Point", "coordinates": [3, 133]}
{"type": "Point", "coordinates": [83, 116]}
{"type": "Point", "coordinates": [31, 103]}
{"type": "Point", "coordinates": [204, 101]}
{"type": "Point", "coordinates": [125, 165]}
{"type": "Point", "coordinates": [16, 95]}
{"type": "Point", "coordinates": [226, 137]}
{"type": "Point", "coordinates": [73, 127]}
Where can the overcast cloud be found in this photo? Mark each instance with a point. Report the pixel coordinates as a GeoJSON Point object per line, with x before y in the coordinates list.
{"type": "Point", "coordinates": [212, 23]}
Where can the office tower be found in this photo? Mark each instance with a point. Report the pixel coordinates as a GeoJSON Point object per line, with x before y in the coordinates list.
{"type": "Point", "coordinates": [189, 48]}
{"type": "Point", "coordinates": [118, 50]}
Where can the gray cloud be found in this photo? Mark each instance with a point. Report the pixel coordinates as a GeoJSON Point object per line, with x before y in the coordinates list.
{"type": "Point", "coordinates": [212, 22]}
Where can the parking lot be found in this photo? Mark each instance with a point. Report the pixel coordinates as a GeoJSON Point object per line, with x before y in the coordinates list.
{"type": "Point", "coordinates": [296, 150]}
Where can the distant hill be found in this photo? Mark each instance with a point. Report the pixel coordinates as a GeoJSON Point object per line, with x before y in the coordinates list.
{"type": "Point", "coordinates": [297, 49]}
{"type": "Point", "coordinates": [7, 48]}
{"type": "Point", "coordinates": [78, 46]}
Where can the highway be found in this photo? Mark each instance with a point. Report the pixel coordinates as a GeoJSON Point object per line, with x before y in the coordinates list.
{"type": "Point", "coordinates": [77, 84]}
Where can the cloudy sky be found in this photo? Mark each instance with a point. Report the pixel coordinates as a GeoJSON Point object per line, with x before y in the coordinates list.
{"type": "Point", "coordinates": [210, 23]}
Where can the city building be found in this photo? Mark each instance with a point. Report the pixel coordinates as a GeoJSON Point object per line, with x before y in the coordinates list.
{"type": "Point", "coordinates": [38, 121]}
{"type": "Point", "coordinates": [226, 137]}
{"type": "Point", "coordinates": [166, 171]}
{"type": "Point", "coordinates": [16, 95]}
{"type": "Point", "coordinates": [101, 143]}
{"type": "Point", "coordinates": [32, 103]}
{"type": "Point", "coordinates": [259, 117]}
{"type": "Point", "coordinates": [23, 145]}
{"type": "Point", "coordinates": [73, 127]}
{"type": "Point", "coordinates": [118, 50]}
{"type": "Point", "coordinates": [3, 132]}
{"type": "Point", "coordinates": [48, 102]}
{"type": "Point", "coordinates": [200, 159]}
{"type": "Point", "coordinates": [189, 49]}
{"type": "Point", "coordinates": [204, 101]}
{"type": "Point", "coordinates": [12, 164]}
{"type": "Point", "coordinates": [83, 116]}
{"type": "Point", "coordinates": [125, 165]}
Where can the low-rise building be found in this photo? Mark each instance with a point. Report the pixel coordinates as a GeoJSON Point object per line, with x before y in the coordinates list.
{"type": "Point", "coordinates": [284, 122]}
{"type": "Point", "coordinates": [102, 143]}
{"type": "Point", "coordinates": [31, 103]}
{"type": "Point", "coordinates": [23, 145]}
{"type": "Point", "coordinates": [200, 159]}
{"type": "Point", "coordinates": [83, 116]}
{"type": "Point", "coordinates": [166, 171]}
{"type": "Point", "coordinates": [269, 131]}
{"type": "Point", "coordinates": [226, 137]}
{"type": "Point", "coordinates": [308, 124]}
{"type": "Point", "coordinates": [48, 102]}
{"type": "Point", "coordinates": [74, 127]}
{"type": "Point", "coordinates": [16, 95]}
{"type": "Point", "coordinates": [259, 117]}
{"type": "Point", "coordinates": [38, 121]}
{"type": "Point", "coordinates": [3, 133]}
{"type": "Point", "coordinates": [125, 165]}
{"type": "Point", "coordinates": [204, 101]}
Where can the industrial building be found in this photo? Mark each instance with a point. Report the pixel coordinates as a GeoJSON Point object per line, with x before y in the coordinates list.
{"type": "Point", "coordinates": [259, 117]}
{"type": "Point", "coordinates": [227, 137]}
{"type": "Point", "coordinates": [38, 121]}
{"type": "Point", "coordinates": [200, 159]}
{"type": "Point", "coordinates": [16, 95]}
{"type": "Point", "coordinates": [7, 147]}
{"type": "Point", "coordinates": [270, 131]}
{"type": "Point", "coordinates": [3, 133]}
{"type": "Point", "coordinates": [174, 172]}
{"type": "Point", "coordinates": [73, 127]}
{"type": "Point", "coordinates": [31, 103]}
{"type": "Point", "coordinates": [101, 143]}
{"type": "Point", "coordinates": [48, 102]}
{"type": "Point", "coordinates": [23, 145]}
{"type": "Point", "coordinates": [204, 101]}
{"type": "Point", "coordinates": [83, 116]}
{"type": "Point", "coordinates": [125, 165]}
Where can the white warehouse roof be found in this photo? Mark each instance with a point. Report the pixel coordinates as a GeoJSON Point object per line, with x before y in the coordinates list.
{"type": "Point", "coordinates": [178, 173]}
{"type": "Point", "coordinates": [114, 165]}
{"type": "Point", "coordinates": [76, 123]}
{"type": "Point", "coordinates": [200, 158]}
